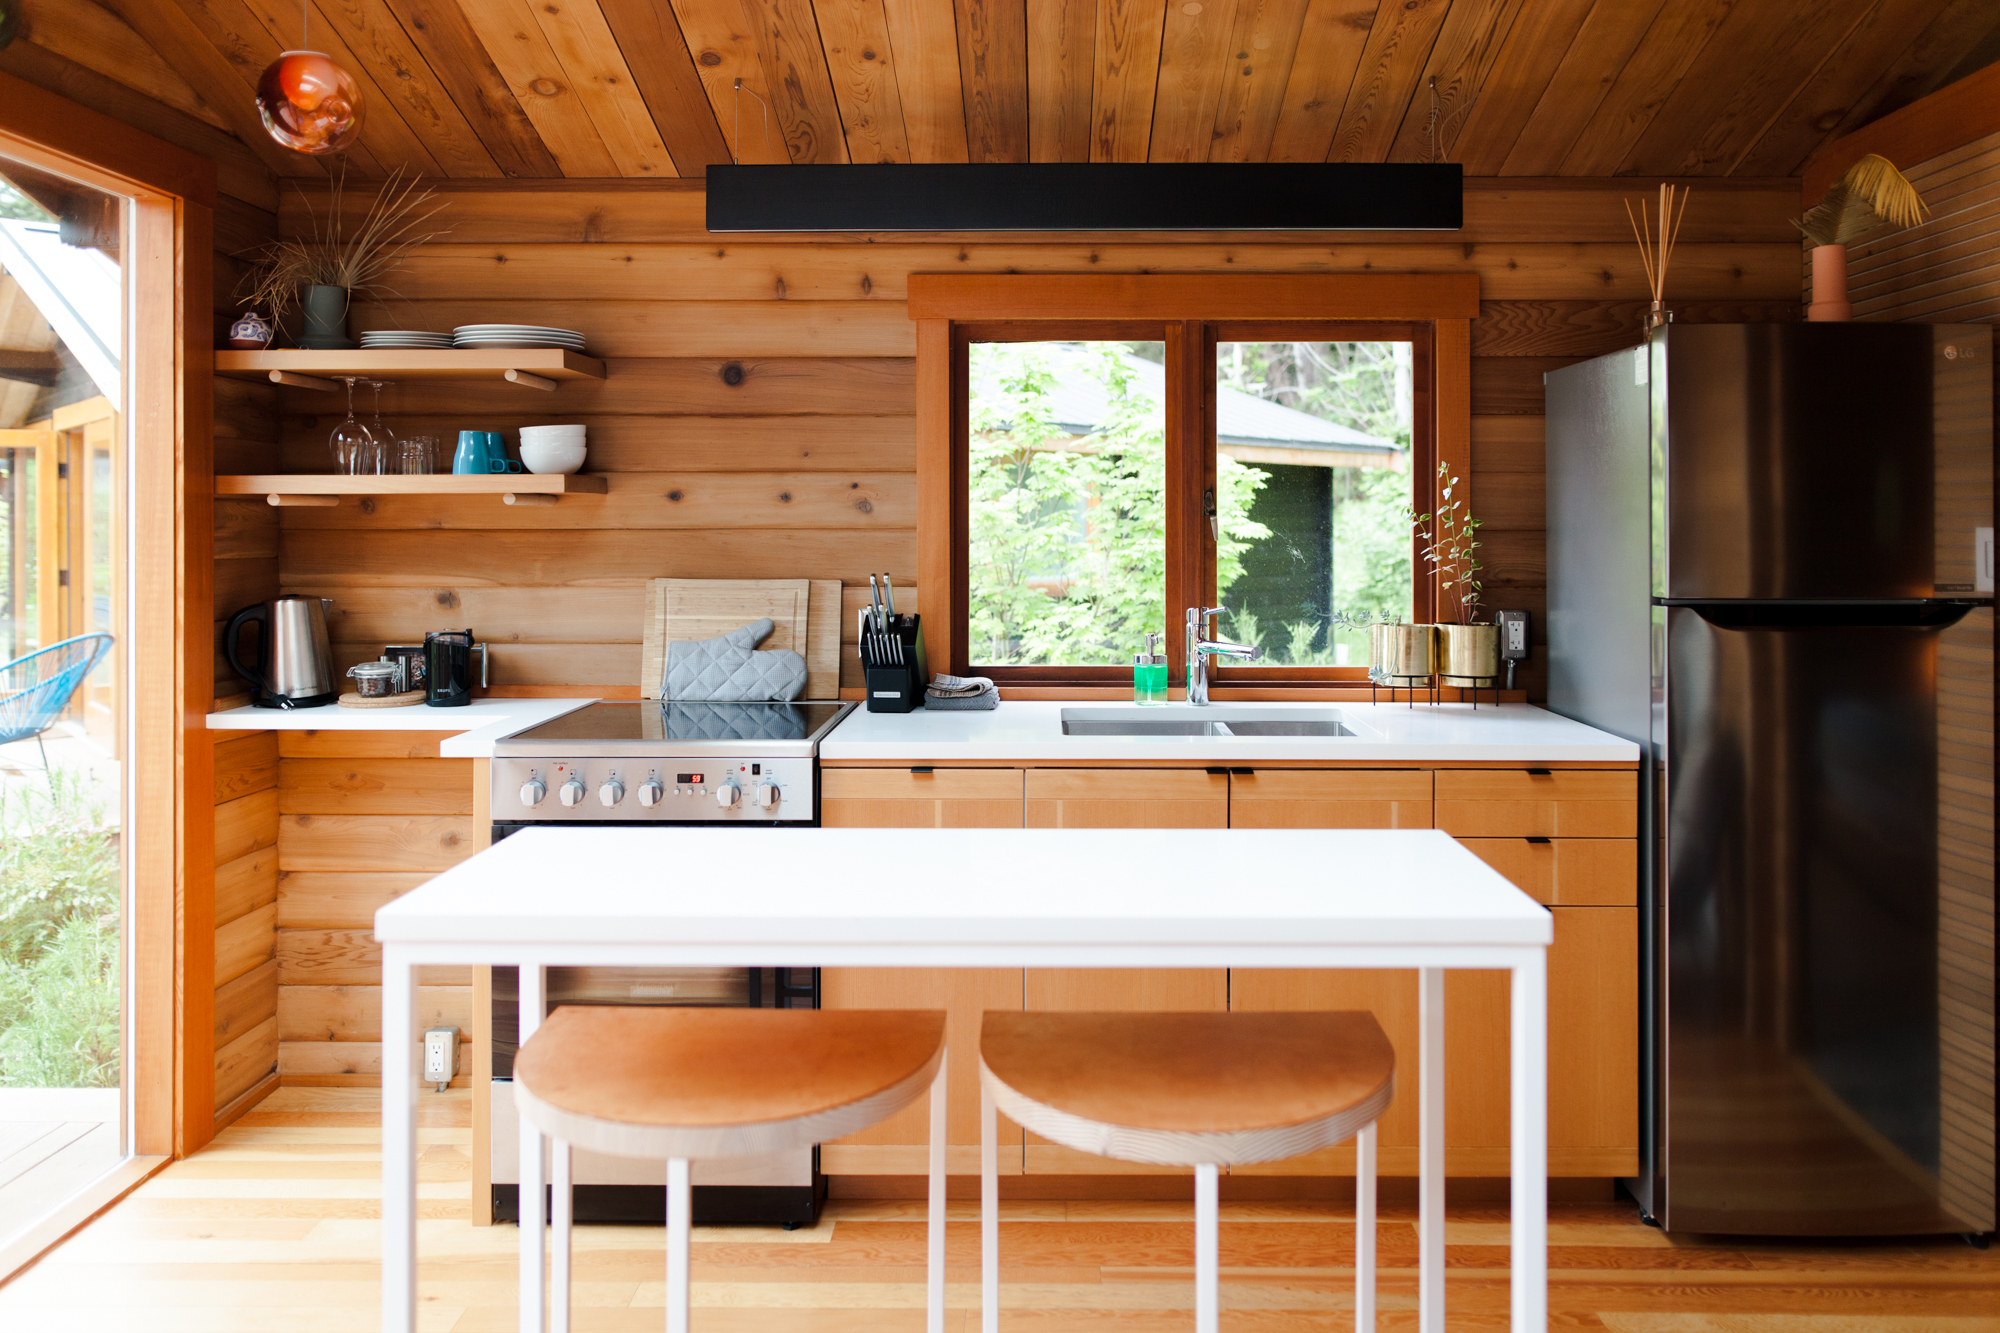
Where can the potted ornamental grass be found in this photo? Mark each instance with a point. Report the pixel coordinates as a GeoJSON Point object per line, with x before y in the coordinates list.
{"type": "Point", "coordinates": [322, 274]}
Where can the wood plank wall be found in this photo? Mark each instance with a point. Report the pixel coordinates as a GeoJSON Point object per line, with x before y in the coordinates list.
{"type": "Point", "coordinates": [1947, 271]}
{"type": "Point", "coordinates": [363, 817]}
{"type": "Point", "coordinates": [757, 421]}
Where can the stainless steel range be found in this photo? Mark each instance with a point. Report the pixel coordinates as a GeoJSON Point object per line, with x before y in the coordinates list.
{"type": "Point", "coordinates": [665, 762]}
{"type": "Point", "coordinates": [654, 762]}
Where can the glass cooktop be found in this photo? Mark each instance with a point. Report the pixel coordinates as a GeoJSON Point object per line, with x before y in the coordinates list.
{"type": "Point", "coordinates": [665, 726]}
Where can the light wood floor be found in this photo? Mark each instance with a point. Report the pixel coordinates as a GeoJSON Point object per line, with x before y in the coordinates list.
{"type": "Point", "coordinates": [273, 1230]}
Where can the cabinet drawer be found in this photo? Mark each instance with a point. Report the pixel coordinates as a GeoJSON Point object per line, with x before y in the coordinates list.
{"type": "Point", "coordinates": [902, 798]}
{"type": "Point", "coordinates": [1570, 872]}
{"type": "Point", "coordinates": [1304, 798]}
{"type": "Point", "coordinates": [1512, 803]}
{"type": "Point", "coordinates": [1127, 798]}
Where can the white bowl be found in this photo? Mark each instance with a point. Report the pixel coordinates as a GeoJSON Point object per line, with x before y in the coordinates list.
{"type": "Point", "coordinates": [545, 457]}
{"type": "Point", "coordinates": [552, 432]}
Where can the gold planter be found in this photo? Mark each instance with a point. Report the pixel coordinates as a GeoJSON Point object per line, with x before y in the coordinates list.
{"type": "Point", "coordinates": [1401, 652]}
{"type": "Point", "coordinates": [1469, 652]}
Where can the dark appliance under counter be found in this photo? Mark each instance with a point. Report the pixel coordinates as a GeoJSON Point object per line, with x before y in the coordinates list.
{"type": "Point", "coordinates": [749, 765]}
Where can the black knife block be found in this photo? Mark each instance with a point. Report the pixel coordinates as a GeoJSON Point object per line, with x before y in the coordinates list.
{"type": "Point", "coordinates": [895, 680]}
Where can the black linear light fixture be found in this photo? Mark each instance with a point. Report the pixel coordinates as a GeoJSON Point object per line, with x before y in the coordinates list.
{"type": "Point", "coordinates": [1088, 196]}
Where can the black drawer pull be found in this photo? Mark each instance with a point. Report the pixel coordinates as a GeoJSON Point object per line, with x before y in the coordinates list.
{"type": "Point", "coordinates": [926, 768]}
{"type": "Point", "coordinates": [1538, 840]}
{"type": "Point", "coordinates": [1540, 773]}
{"type": "Point", "coordinates": [1217, 772]}
{"type": "Point", "coordinates": [1244, 772]}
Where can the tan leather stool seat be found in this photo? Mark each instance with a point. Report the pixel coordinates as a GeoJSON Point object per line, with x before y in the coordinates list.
{"type": "Point", "coordinates": [1189, 1089]}
{"type": "Point", "coordinates": [702, 1083]}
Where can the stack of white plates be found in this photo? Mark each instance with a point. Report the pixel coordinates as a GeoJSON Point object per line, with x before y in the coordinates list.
{"type": "Point", "coordinates": [515, 335]}
{"type": "Point", "coordinates": [405, 338]}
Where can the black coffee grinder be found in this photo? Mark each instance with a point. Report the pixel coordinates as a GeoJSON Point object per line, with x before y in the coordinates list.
{"type": "Point", "coordinates": [448, 666]}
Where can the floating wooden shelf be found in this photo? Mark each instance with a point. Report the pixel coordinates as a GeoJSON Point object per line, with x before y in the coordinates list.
{"type": "Point", "coordinates": [317, 489]}
{"type": "Point", "coordinates": [530, 367]}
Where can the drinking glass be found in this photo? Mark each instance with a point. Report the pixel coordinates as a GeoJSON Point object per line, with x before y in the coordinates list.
{"type": "Point", "coordinates": [418, 455]}
{"type": "Point", "coordinates": [354, 447]}
{"type": "Point", "coordinates": [390, 450]}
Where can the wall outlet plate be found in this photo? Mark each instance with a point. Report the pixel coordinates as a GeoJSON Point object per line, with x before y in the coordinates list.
{"type": "Point", "coordinates": [440, 1056]}
{"type": "Point", "coordinates": [1513, 634]}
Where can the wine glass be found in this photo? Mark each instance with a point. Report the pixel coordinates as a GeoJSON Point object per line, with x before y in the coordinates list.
{"type": "Point", "coordinates": [353, 446]}
{"type": "Point", "coordinates": [388, 453]}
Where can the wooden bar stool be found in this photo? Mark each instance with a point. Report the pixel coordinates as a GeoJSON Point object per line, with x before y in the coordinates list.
{"type": "Point", "coordinates": [1202, 1090]}
{"type": "Point", "coordinates": [685, 1084]}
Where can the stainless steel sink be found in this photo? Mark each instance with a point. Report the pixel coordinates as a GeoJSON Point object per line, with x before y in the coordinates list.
{"type": "Point", "coordinates": [1217, 720]}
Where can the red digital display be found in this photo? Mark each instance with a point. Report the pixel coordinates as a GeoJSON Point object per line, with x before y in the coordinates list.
{"type": "Point", "coordinates": [691, 779]}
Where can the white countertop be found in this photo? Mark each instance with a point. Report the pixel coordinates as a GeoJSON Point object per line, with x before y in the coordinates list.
{"type": "Point", "coordinates": [478, 723]}
{"type": "Point", "coordinates": [1024, 729]}
{"type": "Point", "coordinates": [836, 895]}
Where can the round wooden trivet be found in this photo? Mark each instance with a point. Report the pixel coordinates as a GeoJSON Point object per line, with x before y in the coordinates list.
{"type": "Point", "coordinates": [403, 700]}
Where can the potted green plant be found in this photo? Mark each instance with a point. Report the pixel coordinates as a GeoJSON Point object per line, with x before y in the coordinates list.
{"type": "Point", "coordinates": [1467, 651]}
{"type": "Point", "coordinates": [323, 273]}
{"type": "Point", "coordinates": [1870, 193]}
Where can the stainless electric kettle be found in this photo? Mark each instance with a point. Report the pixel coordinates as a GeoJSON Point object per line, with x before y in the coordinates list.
{"type": "Point", "coordinates": [294, 664]}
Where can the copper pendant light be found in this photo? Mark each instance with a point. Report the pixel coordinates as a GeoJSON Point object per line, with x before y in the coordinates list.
{"type": "Point", "coordinates": [308, 103]}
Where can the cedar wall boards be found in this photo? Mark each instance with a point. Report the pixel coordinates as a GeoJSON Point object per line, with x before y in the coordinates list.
{"type": "Point", "coordinates": [758, 422]}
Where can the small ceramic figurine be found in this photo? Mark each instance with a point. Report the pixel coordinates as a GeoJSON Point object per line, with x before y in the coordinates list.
{"type": "Point", "coordinates": [251, 332]}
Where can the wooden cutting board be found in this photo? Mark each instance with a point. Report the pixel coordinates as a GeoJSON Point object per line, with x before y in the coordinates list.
{"type": "Point", "coordinates": [804, 613]}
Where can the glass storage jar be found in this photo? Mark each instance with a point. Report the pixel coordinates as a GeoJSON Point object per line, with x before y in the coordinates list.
{"type": "Point", "coordinates": [374, 680]}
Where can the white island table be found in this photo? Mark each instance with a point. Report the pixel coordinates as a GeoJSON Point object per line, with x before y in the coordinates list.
{"type": "Point", "coordinates": [1293, 898]}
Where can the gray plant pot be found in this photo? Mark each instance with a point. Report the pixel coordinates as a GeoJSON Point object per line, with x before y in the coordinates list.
{"type": "Point", "coordinates": [325, 320]}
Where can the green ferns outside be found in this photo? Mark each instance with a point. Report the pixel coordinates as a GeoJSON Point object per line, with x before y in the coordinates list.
{"type": "Point", "coordinates": [59, 946]}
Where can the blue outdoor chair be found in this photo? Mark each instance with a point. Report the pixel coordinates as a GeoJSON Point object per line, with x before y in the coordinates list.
{"type": "Point", "coordinates": [35, 689]}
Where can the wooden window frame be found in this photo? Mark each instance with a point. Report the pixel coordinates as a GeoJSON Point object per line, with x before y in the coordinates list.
{"type": "Point", "coordinates": [168, 253]}
{"type": "Point", "coordinates": [1434, 311]}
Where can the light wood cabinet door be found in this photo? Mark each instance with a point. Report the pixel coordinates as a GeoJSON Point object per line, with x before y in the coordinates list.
{"type": "Point", "coordinates": [1570, 872]}
{"type": "Point", "coordinates": [1127, 798]}
{"type": "Point", "coordinates": [1121, 990]}
{"type": "Point", "coordinates": [899, 1146]}
{"type": "Point", "coordinates": [920, 798]}
{"type": "Point", "coordinates": [1317, 798]}
{"type": "Point", "coordinates": [1538, 803]}
{"type": "Point", "coordinates": [1593, 1052]}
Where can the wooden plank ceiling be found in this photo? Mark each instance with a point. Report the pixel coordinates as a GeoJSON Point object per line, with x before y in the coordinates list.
{"type": "Point", "coordinates": [647, 88]}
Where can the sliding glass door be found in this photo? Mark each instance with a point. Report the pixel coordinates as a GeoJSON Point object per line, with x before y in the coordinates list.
{"type": "Point", "coordinates": [64, 741]}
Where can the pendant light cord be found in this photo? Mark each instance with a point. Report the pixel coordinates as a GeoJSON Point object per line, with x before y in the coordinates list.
{"type": "Point", "coordinates": [736, 156]}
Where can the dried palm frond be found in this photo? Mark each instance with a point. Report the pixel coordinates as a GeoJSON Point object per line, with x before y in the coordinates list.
{"type": "Point", "coordinates": [329, 257]}
{"type": "Point", "coordinates": [1872, 193]}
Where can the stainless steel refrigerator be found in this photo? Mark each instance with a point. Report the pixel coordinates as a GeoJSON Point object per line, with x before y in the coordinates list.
{"type": "Point", "coordinates": [1771, 564]}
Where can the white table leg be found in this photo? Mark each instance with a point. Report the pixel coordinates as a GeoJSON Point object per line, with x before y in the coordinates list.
{"type": "Point", "coordinates": [399, 1144]}
{"type": "Point", "coordinates": [561, 1218]}
{"type": "Point", "coordinates": [1207, 1242]}
{"type": "Point", "coordinates": [934, 1274]}
{"type": "Point", "coordinates": [1430, 1150]}
{"type": "Point", "coordinates": [533, 1181]}
{"type": "Point", "coordinates": [1529, 1105]}
{"type": "Point", "coordinates": [989, 1212]}
{"type": "Point", "coordinates": [680, 1221]}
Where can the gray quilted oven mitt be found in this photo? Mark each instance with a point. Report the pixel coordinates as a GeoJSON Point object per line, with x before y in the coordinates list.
{"type": "Point", "coordinates": [729, 669]}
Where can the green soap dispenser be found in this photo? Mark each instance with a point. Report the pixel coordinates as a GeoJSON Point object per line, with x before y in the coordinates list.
{"type": "Point", "coordinates": [1149, 674]}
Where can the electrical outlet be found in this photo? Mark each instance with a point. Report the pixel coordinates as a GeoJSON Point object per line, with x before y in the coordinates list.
{"type": "Point", "coordinates": [440, 1056]}
{"type": "Point", "coordinates": [1513, 634]}
{"type": "Point", "coordinates": [1982, 560]}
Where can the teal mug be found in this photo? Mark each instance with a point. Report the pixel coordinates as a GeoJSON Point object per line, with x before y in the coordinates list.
{"type": "Point", "coordinates": [503, 465]}
{"type": "Point", "coordinates": [473, 456]}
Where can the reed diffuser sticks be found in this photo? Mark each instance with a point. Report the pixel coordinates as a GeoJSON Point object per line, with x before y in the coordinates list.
{"type": "Point", "coordinates": [1655, 253]}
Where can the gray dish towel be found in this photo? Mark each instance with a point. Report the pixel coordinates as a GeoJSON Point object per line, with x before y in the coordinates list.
{"type": "Point", "coordinates": [965, 694]}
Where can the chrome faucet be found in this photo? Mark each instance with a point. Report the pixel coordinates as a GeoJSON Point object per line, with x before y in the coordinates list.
{"type": "Point", "coordinates": [1200, 622]}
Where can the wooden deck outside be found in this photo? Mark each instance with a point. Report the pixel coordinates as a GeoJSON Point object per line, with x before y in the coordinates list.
{"type": "Point", "coordinates": [53, 1142]}
{"type": "Point", "coordinates": [273, 1227]}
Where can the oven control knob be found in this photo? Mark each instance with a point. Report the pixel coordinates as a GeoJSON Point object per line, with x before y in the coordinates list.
{"type": "Point", "coordinates": [571, 792]}
{"type": "Point", "coordinates": [766, 794]}
{"type": "Point", "coordinates": [651, 793]}
{"type": "Point", "coordinates": [532, 792]}
{"type": "Point", "coordinates": [612, 792]}
{"type": "Point", "coordinates": [727, 794]}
